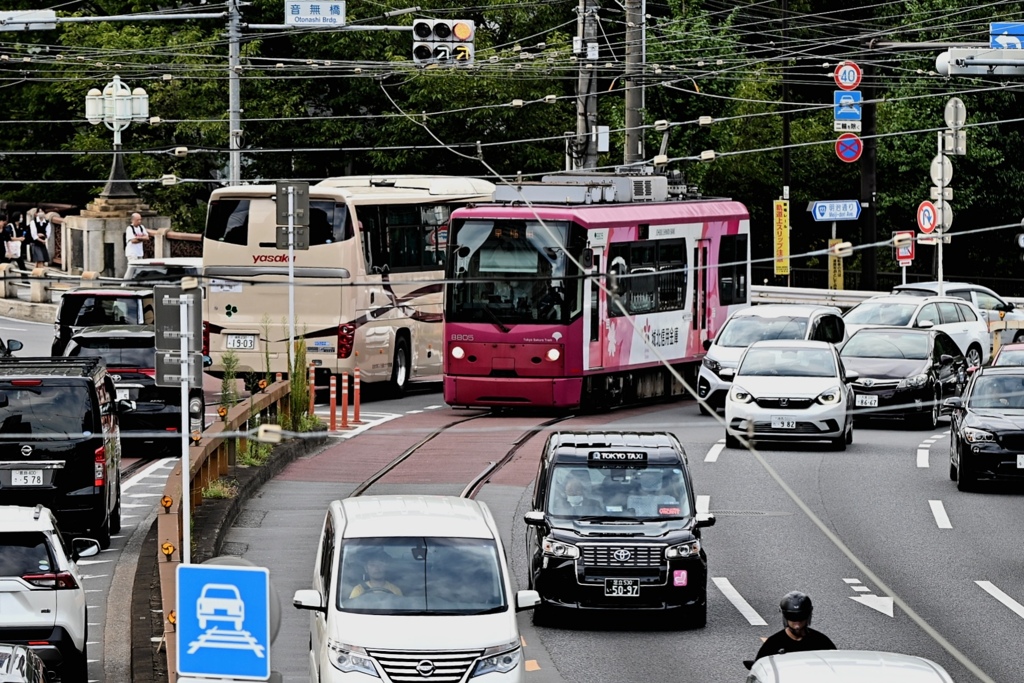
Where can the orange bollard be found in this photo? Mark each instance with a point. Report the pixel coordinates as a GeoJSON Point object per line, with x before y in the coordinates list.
{"type": "Point", "coordinates": [355, 408]}
{"type": "Point", "coordinates": [312, 389]}
{"type": "Point", "coordinates": [344, 400]}
{"type": "Point", "coordinates": [334, 403]}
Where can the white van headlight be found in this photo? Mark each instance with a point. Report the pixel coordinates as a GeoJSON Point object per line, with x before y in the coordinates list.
{"type": "Point", "coordinates": [349, 658]}
{"type": "Point", "coordinates": [558, 549]}
{"type": "Point", "coordinates": [500, 659]}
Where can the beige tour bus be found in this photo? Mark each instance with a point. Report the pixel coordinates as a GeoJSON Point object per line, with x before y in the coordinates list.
{"type": "Point", "coordinates": [368, 291]}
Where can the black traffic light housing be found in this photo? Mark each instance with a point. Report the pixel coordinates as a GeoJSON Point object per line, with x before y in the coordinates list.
{"type": "Point", "coordinates": [443, 42]}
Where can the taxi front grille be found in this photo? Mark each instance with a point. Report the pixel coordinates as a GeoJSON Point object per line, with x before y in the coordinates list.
{"type": "Point", "coordinates": [449, 666]}
{"type": "Point", "coordinates": [614, 556]}
{"type": "Point", "coordinates": [788, 403]}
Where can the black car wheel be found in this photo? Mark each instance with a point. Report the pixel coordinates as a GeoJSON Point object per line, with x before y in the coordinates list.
{"type": "Point", "coordinates": [699, 616]}
{"type": "Point", "coordinates": [196, 413]}
{"type": "Point", "coordinates": [964, 480]}
{"type": "Point", "coordinates": [103, 534]}
{"type": "Point", "coordinates": [400, 367]}
{"type": "Point", "coordinates": [731, 441]}
{"type": "Point", "coordinates": [952, 471]}
{"type": "Point", "coordinates": [838, 443]}
{"type": "Point", "coordinates": [930, 420]}
{"type": "Point", "coordinates": [115, 516]}
{"type": "Point", "coordinates": [973, 356]}
{"type": "Point", "coordinates": [702, 409]}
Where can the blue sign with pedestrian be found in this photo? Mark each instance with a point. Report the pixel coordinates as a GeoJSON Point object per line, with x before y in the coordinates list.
{"type": "Point", "coordinates": [847, 104]}
{"type": "Point", "coordinates": [836, 210]}
{"type": "Point", "coordinates": [223, 621]}
{"type": "Point", "coordinates": [1006, 36]}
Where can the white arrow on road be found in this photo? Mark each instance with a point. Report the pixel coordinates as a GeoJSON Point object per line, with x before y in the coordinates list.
{"type": "Point", "coordinates": [883, 605]}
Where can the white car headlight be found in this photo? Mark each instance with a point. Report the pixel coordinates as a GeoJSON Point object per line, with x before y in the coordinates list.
{"type": "Point", "coordinates": [830, 397]}
{"type": "Point", "coordinates": [914, 382]}
{"type": "Point", "coordinates": [558, 549]}
{"type": "Point", "coordinates": [500, 659]}
{"type": "Point", "coordinates": [690, 549]}
{"type": "Point", "coordinates": [740, 395]}
{"type": "Point", "coordinates": [972, 435]}
{"type": "Point", "coordinates": [712, 365]}
{"type": "Point", "coordinates": [349, 658]}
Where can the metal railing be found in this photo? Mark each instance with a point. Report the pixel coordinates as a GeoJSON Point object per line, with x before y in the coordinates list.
{"type": "Point", "coordinates": [208, 461]}
{"type": "Point", "coordinates": [843, 298]}
{"type": "Point", "coordinates": [44, 285]}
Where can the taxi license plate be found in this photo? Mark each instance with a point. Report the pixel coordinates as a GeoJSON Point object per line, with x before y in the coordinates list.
{"type": "Point", "coordinates": [866, 400]}
{"type": "Point", "coordinates": [26, 477]}
{"type": "Point", "coordinates": [242, 341]}
{"type": "Point", "coordinates": [621, 588]}
{"type": "Point", "coordinates": [783, 422]}
{"type": "Point", "coordinates": [123, 394]}
{"type": "Point", "coordinates": [1020, 461]}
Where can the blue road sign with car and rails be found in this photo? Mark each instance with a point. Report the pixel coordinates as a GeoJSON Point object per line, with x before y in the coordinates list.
{"type": "Point", "coordinates": [847, 105]}
{"type": "Point", "coordinates": [224, 622]}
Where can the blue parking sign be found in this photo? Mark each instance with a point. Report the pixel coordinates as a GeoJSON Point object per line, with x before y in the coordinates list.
{"type": "Point", "coordinates": [223, 621]}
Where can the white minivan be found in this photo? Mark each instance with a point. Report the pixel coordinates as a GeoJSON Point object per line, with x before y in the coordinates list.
{"type": "Point", "coordinates": [413, 586]}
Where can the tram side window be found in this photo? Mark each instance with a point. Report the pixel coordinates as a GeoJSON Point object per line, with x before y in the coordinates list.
{"type": "Point", "coordinates": [671, 275]}
{"type": "Point", "coordinates": [642, 286]}
{"type": "Point", "coordinates": [228, 221]}
{"type": "Point", "coordinates": [732, 270]}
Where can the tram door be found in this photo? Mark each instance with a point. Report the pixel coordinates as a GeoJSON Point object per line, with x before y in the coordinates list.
{"type": "Point", "coordinates": [596, 330]}
{"type": "Point", "coordinates": [700, 289]}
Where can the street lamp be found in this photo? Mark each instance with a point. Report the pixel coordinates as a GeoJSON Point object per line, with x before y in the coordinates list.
{"type": "Point", "coordinates": [116, 107]}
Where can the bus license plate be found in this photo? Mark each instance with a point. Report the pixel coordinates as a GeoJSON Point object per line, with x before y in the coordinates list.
{"type": "Point", "coordinates": [866, 400]}
{"type": "Point", "coordinates": [783, 422]}
{"type": "Point", "coordinates": [242, 341]}
{"type": "Point", "coordinates": [26, 477]}
{"type": "Point", "coordinates": [622, 588]}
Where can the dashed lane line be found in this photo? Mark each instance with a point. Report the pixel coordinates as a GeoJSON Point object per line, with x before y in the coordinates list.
{"type": "Point", "coordinates": [1002, 597]}
{"type": "Point", "coordinates": [939, 512]}
{"type": "Point", "coordinates": [715, 451]}
{"type": "Point", "coordinates": [924, 448]}
{"type": "Point", "coordinates": [733, 596]}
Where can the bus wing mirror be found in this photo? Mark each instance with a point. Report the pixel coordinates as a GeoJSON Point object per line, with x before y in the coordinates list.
{"type": "Point", "coordinates": [588, 258]}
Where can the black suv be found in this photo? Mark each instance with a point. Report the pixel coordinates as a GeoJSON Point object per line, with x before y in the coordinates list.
{"type": "Point", "coordinates": [616, 527]}
{"type": "Point", "coordinates": [130, 354]}
{"type": "Point", "coordinates": [59, 441]}
{"type": "Point", "coordinates": [92, 306]}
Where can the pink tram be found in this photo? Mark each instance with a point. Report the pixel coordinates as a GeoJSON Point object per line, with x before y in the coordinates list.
{"type": "Point", "coordinates": [526, 323]}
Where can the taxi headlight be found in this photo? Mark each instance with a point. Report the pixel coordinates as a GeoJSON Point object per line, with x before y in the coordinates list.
{"type": "Point", "coordinates": [553, 355]}
{"type": "Point", "coordinates": [740, 395]}
{"type": "Point", "coordinates": [674, 552]}
{"type": "Point", "coordinates": [558, 549]}
{"type": "Point", "coordinates": [830, 397]}
{"type": "Point", "coordinates": [712, 365]}
{"type": "Point", "coordinates": [914, 382]}
{"type": "Point", "coordinates": [458, 353]}
{"type": "Point", "coordinates": [972, 435]}
{"type": "Point", "coordinates": [500, 659]}
{"type": "Point", "coordinates": [349, 658]}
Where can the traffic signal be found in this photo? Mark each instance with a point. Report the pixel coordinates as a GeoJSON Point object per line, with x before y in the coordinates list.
{"type": "Point", "coordinates": [443, 42]}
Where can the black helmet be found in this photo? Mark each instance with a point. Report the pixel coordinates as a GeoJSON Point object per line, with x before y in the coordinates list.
{"type": "Point", "coordinates": [796, 606]}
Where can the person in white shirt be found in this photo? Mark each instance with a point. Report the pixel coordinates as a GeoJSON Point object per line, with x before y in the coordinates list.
{"type": "Point", "coordinates": [135, 237]}
{"type": "Point", "coordinates": [39, 229]}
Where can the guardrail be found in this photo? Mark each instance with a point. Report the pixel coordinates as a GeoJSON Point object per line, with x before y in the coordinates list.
{"type": "Point", "coordinates": [208, 461]}
{"type": "Point", "coordinates": [843, 298]}
{"type": "Point", "coordinates": [44, 285]}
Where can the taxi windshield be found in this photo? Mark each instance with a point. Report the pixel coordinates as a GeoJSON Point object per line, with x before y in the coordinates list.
{"type": "Point", "coordinates": [743, 331]}
{"type": "Point", "coordinates": [420, 576]}
{"type": "Point", "coordinates": [651, 492]}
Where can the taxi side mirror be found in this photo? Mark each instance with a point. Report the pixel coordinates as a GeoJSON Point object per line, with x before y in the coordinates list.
{"type": "Point", "coordinates": [705, 520]}
{"type": "Point", "coordinates": [534, 518]}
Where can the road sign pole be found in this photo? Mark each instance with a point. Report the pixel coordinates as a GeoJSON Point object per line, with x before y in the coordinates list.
{"type": "Point", "coordinates": [186, 463]}
{"type": "Point", "coordinates": [940, 221]}
{"type": "Point", "coordinates": [291, 276]}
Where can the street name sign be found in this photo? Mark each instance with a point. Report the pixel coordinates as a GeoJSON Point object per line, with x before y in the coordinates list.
{"type": "Point", "coordinates": [835, 210]}
{"type": "Point", "coordinates": [314, 13]}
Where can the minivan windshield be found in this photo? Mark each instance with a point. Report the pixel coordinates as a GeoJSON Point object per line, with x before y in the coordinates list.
{"type": "Point", "coordinates": [745, 330]}
{"type": "Point", "coordinates": [45, 410]}
{"type": "Point", "coordinates": [645, 492]}
{"type": "Point", "coordinates": [420, 576]}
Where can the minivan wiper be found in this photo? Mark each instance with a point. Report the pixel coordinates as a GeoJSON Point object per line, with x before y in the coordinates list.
{"type": "Point", "coordinates": [606, 518]}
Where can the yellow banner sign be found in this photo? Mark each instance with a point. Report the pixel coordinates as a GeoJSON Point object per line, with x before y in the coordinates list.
{"type": "Point", "coordinates": [780, 211]}
{"type": "Point", "coordinates": [835, 268]}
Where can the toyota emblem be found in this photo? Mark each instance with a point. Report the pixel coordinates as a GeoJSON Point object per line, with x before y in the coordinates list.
{"type": "Point", "coordinates": [867, 381]}
{"type": "Point", "coordinates": [425, 668]}
{"type": "Point", "coordinates": [26, 450]}
{"type": "Point", "coordinates": [116, 378]}
{"type": "Point", "coordinates": [622, 555]}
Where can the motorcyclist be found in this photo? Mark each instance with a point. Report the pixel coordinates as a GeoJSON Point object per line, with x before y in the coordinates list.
{"type": "Point", "coordinates": [797, 634]}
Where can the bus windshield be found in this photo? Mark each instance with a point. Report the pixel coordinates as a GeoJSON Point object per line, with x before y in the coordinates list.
{"type": "Point", "coordinates": [511, 272]}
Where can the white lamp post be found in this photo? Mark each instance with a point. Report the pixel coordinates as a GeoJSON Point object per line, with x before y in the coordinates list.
{"type": "Point", "coordinates": [116, 107]}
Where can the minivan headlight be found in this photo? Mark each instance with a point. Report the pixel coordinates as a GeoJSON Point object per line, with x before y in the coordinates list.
{"type": "Point", "coordinates": [712, 365]}
{"type": "Point", "coordinates": [349, 658]}
{"type": "Point", "coordinates": [674, 552]}
{"type": "Point", "coordinates": [740, 395]}
{"type": "Point", "coordinates": [500, 659]}
{"type": "Point", "coordinates": [830, 397]}
{"type": "Point", "coordinates": [558, 549]}
{"type": "Point", "coordinates": [913, 382]}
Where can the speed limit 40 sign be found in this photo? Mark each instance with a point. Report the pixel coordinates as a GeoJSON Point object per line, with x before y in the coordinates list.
{"type": "Point", "coordinates": [847, 75]}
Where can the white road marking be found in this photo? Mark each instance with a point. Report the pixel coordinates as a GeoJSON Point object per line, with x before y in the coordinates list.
{"type": "Point", "coordinates": [413, 412]}
{"type": "Point", "coordinates": [939, 512]}
{"type": "Point", "coordinates": [733, 595]}
{"type": "Point", "coordinates": [165, 462]}
{"type": "Point", "coordinates": [861, 589]}
{"type": "Point", "coordinates": [703, 503]}
{"type": "Point", "coordinates": [1002, 597]}
{"type": "Point", "coordinates": [433, 407]}
{"type": "Point", "coordinates": [715, 451]}
{"type": "Point", "coordinates": [922, 457]}
{"type": "Point", "coordinates": [869, 599]}
{"type": "Point", "coordinates": [852, 580]}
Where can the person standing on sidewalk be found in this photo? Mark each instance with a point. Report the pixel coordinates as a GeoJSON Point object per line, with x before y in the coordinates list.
{"type": "Point", "coordinates": [39, 229]}
{"type": "Point", "coordinates": [135, 238]}
{"type": "Point", "coordinates": [14, 241]}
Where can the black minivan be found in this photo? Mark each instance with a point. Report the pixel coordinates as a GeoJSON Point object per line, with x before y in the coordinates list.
{"type": "Point", "coordinates": [59, 441]}
{"type": "Point", "coordinates": [91, 306]}
{"type": "Point", "coordinates": [615, 527]}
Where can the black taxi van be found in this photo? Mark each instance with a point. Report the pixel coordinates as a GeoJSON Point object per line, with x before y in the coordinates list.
{"type": "Point", "coordinates": [614, 526]}
{"type": "Point", "coordinates": [60, 443]}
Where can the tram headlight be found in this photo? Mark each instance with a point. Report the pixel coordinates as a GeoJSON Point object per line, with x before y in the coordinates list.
{"type": "Point", "coordinates": [553, 355]}
{"type": "Point", "coordinates": [458, 353]}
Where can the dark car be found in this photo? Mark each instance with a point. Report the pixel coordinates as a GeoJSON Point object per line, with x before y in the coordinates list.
{"type": "Point", "coordinates": [19, 664]}
{"type": "Point", "coordinates": [615, 527]}
{"type": "Point", "coordinates": [130, 354]}
{"type": "Point", "coordinates": [987, 428]}
{"type": "Point", "coordinates": [92, 306]}
{"type": "Point", "coordinates": [9, 348]}
{"type": "Point", "coordinates": [904, 372]}
{"type": "Point", "coordinates": [59, 441]}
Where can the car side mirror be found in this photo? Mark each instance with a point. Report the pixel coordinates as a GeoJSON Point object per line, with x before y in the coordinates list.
{"type": "Point", "coordinates": [953, 403]}
{"type": "Point", "coordinates": [925, 324]}
{"type": "Point", "coordinates": [14, 345]}
{"type": "Point", "coordinates": [852, 375]}
{"type": "Point", "coordinates": [309, 599]}
{"type": "Point", "coordinates": [527, 600]}
{"type": "Point", "coordinates": [705, 519]}
{"type": "Point", "coordinates": [727, 373]}
{"type": "Point", "coordinates": [207, 361]}
{"type": "Point", "coordinates": [588, 259]}
{"type": "Point", "coordinates": [84, 547]}
{"type": "Point", "coordinates": [125, 406]}
{"type": "Point", "coordinates": [534, 518]}
{"type": "Point", "coordinates": [945, 359]}
{"type": "Point", "coordinates": [707, 344]}
{"type": "Point", "coordinates": [1005, 307]}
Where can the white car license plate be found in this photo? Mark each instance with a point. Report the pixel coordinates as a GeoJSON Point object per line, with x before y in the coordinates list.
{"type": "Point", "coordinates": [622, 588]}
{"type": "Point", "coordinates": [26, 477]}
{"type": "Point", "coordinates": [242, 341]}
{"type": "Point", "coordinates": [123, 394]}
{"type": "Point", "coordinates": [1020, 461]}
{"type": "Point", "coordinates": [783, 422]}
{"type": "Point", "coordinates": [867, 400]}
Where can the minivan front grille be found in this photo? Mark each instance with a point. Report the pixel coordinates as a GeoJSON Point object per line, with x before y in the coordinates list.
{"type": "Point", "coordinates": [614, 556]}
{"type": "Point", "coordinates": [446, 666]}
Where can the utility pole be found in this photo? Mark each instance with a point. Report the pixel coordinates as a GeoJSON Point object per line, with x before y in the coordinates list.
{"type": "Point", "coordinates": [234, 95]}
{"type": "Point", "coordinates": [633, 149]}
{"type": "Point", "coordinates": [868, 187]}
{"type": "Point", "coordinates": [586, 98]}
{"type": "Point", "coordinates": [785, 106]}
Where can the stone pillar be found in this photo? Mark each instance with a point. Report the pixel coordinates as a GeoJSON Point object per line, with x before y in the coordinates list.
{"type": "Point", "coordinates": [94, 240]}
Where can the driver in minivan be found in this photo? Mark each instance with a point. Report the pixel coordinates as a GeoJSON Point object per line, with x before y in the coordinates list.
{"type": "Point", "coordinates": [375, 581]}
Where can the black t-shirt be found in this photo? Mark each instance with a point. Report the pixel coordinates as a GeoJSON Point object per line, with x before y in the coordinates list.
{"type": "Point", "coordinates": [779, 643]}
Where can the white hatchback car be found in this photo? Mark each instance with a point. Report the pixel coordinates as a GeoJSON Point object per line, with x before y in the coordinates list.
{"type": "Point", "coordinates": [956, 317]}
{"type": "Point", "coordinates": [41, 590]}
{"type": "Point", "coordinates": [840, 666]}
{"type": "Point", "coordinates": [790, 391]}
{"type": "Point", "coordinates": [413, 587]}
{"type": "Point", "coordinates": [992, 306]}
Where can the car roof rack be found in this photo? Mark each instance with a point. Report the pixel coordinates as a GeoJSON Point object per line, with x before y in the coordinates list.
{"type": "Point", "coordinates": [51, 365]}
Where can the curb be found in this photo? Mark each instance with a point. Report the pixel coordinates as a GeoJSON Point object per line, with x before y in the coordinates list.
{"type": "Point", "coordinates": [211, 522]}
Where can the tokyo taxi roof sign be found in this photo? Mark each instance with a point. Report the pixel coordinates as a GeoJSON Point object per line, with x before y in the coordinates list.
{"type": "Point", "coordinates": [847, 75]}
{"type": "Point", "coordinates": [835, 210]}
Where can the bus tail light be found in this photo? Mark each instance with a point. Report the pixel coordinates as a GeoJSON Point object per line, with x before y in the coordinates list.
{"type": "Point", "coordinates": [100, 467]}
{"type": "Point", "coordinates": [346, 339]}
{"type": "Point", "coordinates": [206, 338]}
